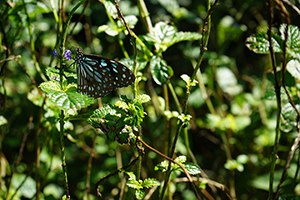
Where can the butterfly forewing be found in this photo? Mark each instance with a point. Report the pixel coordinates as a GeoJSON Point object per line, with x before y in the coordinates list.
{"type": "Point", "coordinates": [98, 76]}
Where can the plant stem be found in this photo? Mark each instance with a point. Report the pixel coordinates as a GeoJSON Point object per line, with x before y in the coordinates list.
{"type": "Point", "coordinates": [63, 156]}
{"type": "Point", "coordinates": [36, 64]}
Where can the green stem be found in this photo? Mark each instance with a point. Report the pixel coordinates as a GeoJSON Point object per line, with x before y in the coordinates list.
{"type": "Point", "coordinates": [63, 156]}
{"type": "Point", "coordinates": [69, 20]}
{"type": "Point", "coordinates": [175, 97]}
{"type": "Point", "coordinates": [36, 64]}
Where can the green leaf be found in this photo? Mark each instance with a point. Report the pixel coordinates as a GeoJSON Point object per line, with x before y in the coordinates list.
{"type": "Point", "coordinates": [181, 159]}
{"type": "Point", "coordinates": [110, 8]}
{"type": "Point", "coordinates": [293, 67]}
{"type": "Point", "coordinates": [35, 97]}
{"type": "Point", "coordinates": [35, 8]}
{"type": "Point", "coordinates": [142, 98]}
{"type": "Point", "coordinates": [131, 21]}
{"type": "Point", "coordinates": [162, 35]}
{"type": "Point", "coordinates": [166, 35]}
{"type": "Point", "coordinates": [227, 81]}
{"type": "Point", "coordinates": [110, 29]}
{"type": "Point", "coordinates": [189, 82]}
{"type": "Point", "coordinates": [28, 188]}
{"type": "Point", "coordinates": [68, 99]}
{"type": "Point", "coordinates": [233, 164]}
{"type": "Point", "coordinates": [150, 182]}
{"type": "Point", "coordinates": [260, 44]}
{"type": "Point", "coordinates": [3, 120]}
{"type": "Point", "coordinates": [134, 184]}
{"type": "Point", "coordinates": [162, 166]}
{"type": "Point", "coordinates": [293, 41]}
{"type": "Point", "coordinates": [185, 36]}
{"type": "Point", "coordinates": [289, 118]}
{"type": "Point", "coordinates": [140, 194]}
{"type": "Point", "coordinates": [173, 7]}
{"type": "Point", "coordinates": [191, 168]}
{"type": "Point", "coordinates": [130, 174]}
{"type": "Point", "coordinates": [161, 72]}
{"type": "Point", "coordinates": [53, 74]}
{"type": "Point", "coordinates": [129, 62]}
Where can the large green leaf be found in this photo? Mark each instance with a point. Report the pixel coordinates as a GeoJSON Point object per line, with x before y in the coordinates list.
{"type": "Point", "coordinates": [161, 72]}
{"type": "Point", "coordinates": [191, 168]}
{"type": "Point", "coordinates": [67, 99]}
{"type": "Point", "coordinates": [260, 43]}
{"type": "Point", "coordinates": [293, 41]}
{"type": "Point", "coordinates": [166, 35]}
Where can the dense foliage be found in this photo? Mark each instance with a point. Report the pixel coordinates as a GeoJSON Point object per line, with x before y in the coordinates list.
{"type": "Point", "coordinates": [213, 113]}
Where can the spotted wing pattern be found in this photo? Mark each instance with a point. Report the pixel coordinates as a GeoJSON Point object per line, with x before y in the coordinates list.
{"type": "Point", "coordinates": [98, 76]}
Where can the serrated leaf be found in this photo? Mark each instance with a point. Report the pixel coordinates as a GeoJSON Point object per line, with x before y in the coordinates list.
{"type": "Point", "coordinates": [162, 166]}
{"type": "Point", "coordinates": [102, 112]}
{"type": "Point", "coordinates": [164, 32]}
{"type": "Point", "coordinates": [293, 36]}
{"type": "Point", "coordinates": [68, 99]}
{"type": "Point", "coordinates": [142, 98]}
{"type": "Point", "coordinates": [260, 44]}
{"type": "Point", "coordinates": [293, 41]}
{"type": "Point", "coordinates": [162, 35]}
{"type": "Point", "coordinates": [161, 72]}
{"type": "Point", "coordinates": [140, 194]}
{"type": "Point", "coordinates": [121, 104]}
{"type": "Point", "coordinates": [166, 35]}
{"type": "Point", "coordinates": [192, 169]}
{"type": "Point", "coordinates": [185, 36]}
{"type": "Point", "coordinates": [130, 174]}
{"type": "Point", "coordinates": [53, 74]}
{"type": "Point", "coordinates": [181, 159]}
{"type": "Point", "coordinates": [289, 118]}
{"type": "Point", "coordinates": [134, 184]}
{"type": "Point", "coordinates": [150, 182]}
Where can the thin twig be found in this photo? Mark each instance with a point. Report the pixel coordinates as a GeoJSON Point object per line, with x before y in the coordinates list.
{"type": "Point", "coordinates": [114, 173]}
{"type": "Point", "coordinates": [173, 161]}
{"type": "Point", "coordinates": [278, 98]}
{"type": "Point", "coordinates": [292, 6]}
{"type": "Point", "coordinates": [88, 172]}
{"type": "Point", "coordinates": [287, 166]}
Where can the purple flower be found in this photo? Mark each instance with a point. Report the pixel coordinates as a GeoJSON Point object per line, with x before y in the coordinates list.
{"type": "Point", "coordinates": [67, 55]}
{"type": "Point", "coordinates": [55, 53]}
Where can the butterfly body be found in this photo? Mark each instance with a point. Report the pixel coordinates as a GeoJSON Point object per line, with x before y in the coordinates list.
{"type": "Point", "coordinates": [98, 76]}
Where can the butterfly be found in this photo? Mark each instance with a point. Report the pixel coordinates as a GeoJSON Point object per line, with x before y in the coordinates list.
{"type": "Point", "coordinates": [98, 76]}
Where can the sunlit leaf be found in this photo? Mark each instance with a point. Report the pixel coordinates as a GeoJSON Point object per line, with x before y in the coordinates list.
{"type": "Point", "coordinates": [68, 99]}
{"type": "Point", "coordinates": [150, 182]}
{"type": "Point", "coordinates": [260, 44]}
{"type": "Point", "coordinates": [161, 72]}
